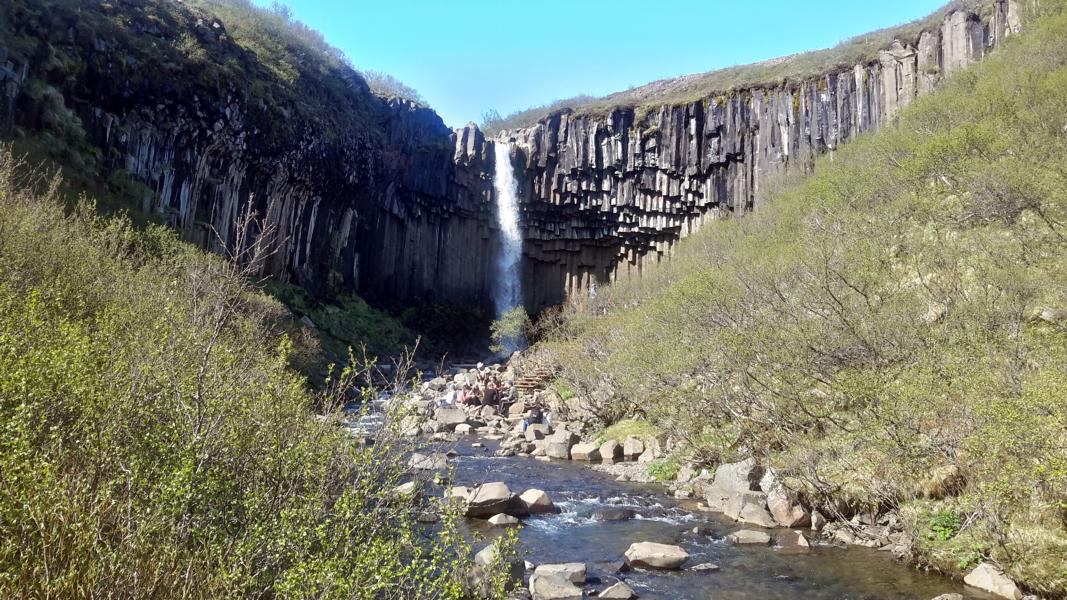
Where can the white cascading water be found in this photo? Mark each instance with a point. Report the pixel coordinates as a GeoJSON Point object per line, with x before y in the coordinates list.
{"type": "Point", "coordinates": [507, 284]}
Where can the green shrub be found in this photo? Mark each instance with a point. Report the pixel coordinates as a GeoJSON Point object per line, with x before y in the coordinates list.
{"type": "Point", "coordinates": [945, 525]}
{"type": "Point", "coordinates": [154, 442]}
{"type": "Point", "coordinates": [886, 331]}
{"type": "Point", "coordinates": [509, 332]}
{"type": "Point", "coordinates": [665, 469]}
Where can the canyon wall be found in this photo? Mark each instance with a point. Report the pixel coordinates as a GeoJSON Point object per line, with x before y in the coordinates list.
{"type": "Point", "coordinates": [370, 195]}
{"type": "Point", "coordinates": [380, 197]}
{"type": "Point", "coordinates": [605, 195]}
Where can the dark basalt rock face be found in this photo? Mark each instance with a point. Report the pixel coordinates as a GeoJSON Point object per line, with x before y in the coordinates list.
{"type": "Point", "coordinates": [380, 197]}
{"type": "Point", "coordinates": [603, 196]}
{"type": "Point", "coordinates": [359, 193]}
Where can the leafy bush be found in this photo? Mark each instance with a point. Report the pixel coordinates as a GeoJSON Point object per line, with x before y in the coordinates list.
{"type": "Point", "coordinates": [665, 469]}
{"type": "Point", "coordinates": [509, 332]}
{"type": "Point", "coordinates": [154, 442]}
{"type": "Point", "coordinates": [387, 86]}
{"type": "Point", "coordinates": [945, 525]}
{"type": "Point", "coordinates": [888, 330]}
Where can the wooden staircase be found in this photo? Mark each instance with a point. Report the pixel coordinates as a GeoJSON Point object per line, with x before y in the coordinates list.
{"type": "Point", "coordinates": [535, 380]}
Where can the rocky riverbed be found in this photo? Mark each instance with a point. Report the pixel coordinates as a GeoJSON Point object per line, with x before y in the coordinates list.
{"type": "Point", "coordinates": [593, 524]}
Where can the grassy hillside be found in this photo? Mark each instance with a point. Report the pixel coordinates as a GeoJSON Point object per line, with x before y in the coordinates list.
{"type": "Point", "coordinates": [795, 68]}
{"type": "Point", "coordinates": [155, 443]}
{"type": "Point", "coordinates": [891, 333]}
{"type": "Point", "coordinates": [122, 55]}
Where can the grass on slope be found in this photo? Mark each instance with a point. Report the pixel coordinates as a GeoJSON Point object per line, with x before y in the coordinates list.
{"type": "Point", "coordinates": [154, 443]}
{"type": "Point", "coordinates": [795, 68]}
{"type": "Point", "coordinates": [890, 333]}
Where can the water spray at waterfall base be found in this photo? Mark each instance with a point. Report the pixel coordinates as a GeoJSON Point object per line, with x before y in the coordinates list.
{"type": "Point", "coordinates": [507, 282]}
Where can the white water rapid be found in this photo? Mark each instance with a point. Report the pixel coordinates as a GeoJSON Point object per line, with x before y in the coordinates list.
{"type": "Point", "coordinates": [507, 283]}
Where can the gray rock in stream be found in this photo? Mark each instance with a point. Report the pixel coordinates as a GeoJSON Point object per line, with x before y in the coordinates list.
{"type": "Point", "coordinates": [651, 555]}
{"type": "Point", "coordinates": [618, 591]}
{"type": "Point", "coordinates": [559, 444]}
{"type": "Point", "coordinates": [613, 514]}
{"type": "Point", "coordinates": [750, 536]}
{"type": "Point", "coordinates": [574, 572]}
{"type": "Point", "coordinates": [432, 462]}
{"type": "Point", "coordinates": [546, 587]}
{"type": "Point", "coordinates": [494, 498]}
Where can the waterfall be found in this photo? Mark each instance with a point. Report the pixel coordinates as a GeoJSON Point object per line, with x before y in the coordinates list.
{"type": "Point", "coordinates": [507, 283]}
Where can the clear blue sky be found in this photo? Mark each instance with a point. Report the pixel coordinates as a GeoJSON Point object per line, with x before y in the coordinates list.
{"type": "Point", "coordinates": [465, 56]}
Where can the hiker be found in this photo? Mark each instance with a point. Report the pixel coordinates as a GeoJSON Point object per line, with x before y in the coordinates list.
{"type": "Point", "coordinates": [532, 417]}
{"type": "Point", "coordinates": [510, 398]}
{"type": "Point", "coordinates": [466, 397]}
{"type": "Point", "coordinates": [449, 398]}
{"type": "Point", "coordinates": [489, 397]}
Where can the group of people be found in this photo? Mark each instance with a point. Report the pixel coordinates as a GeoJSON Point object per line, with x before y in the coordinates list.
{"type": "Point", "coordinates": [489, 391]}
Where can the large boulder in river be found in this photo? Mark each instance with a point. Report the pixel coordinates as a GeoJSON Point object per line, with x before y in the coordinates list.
{"type": "Point", "coordinates": [572, 572]}
{"type": "Point", "coordinates": [990, 578]}
{"type": "Point", "coordinates": [611, 451]}
{"type": "Point", "coordinates": [587, 451]}
{"type": "Point", "coordinates": [614, 513]}
{"type": "Point", "coordinates": [731, 480]}
{"type": "Point", "coordinates": [785, 511]}
{"type": "Point", "coordinates": [494, 498]}
{"type": "Point", "coordinates": [537, 502]}
{"type": "Point", "coordinates": [632, 448]}
{"type": "Point", "coordinates": [750, 507]}
{"type": "Point", "coordinates": [559, 444]}
{"type": "Point", "coordinates": [449, 418]}
{"type": "Point", "coordinates": [502, 520]}
{"type": "Point", "coordinates": [546, 587]}
{"type": "Point", "coordinates": [750, 536]}
{"type": "Point", "coordinates": [651, 555]}
{"type": "Point", "coordinates": [738, 477]}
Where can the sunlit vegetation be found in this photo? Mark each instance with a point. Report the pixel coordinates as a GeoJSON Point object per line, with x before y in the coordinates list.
{"type": "Point", "coordinates": [890, 333]}
{"type": "Point", "coordinates": [155, 442]}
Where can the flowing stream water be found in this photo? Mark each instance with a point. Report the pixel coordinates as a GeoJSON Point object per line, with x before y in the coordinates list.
{"type": "Point", "coordinates": [507, 282]}
{"type": "Point", "coordinates": [578, 533]}
{"type": "Point", "coordinates": [745, 572]}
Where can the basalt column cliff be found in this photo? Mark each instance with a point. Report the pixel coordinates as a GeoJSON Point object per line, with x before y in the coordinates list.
{"type": "Point", "coordinates": [358, 192]}
{"type": "Point", "coordinates": [603, 195]}
{"type": "Point", "coordinates": [379, 196]}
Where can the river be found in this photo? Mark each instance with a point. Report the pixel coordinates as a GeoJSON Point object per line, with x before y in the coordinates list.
{"type": "Point", "coordinates": [745, 572]}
